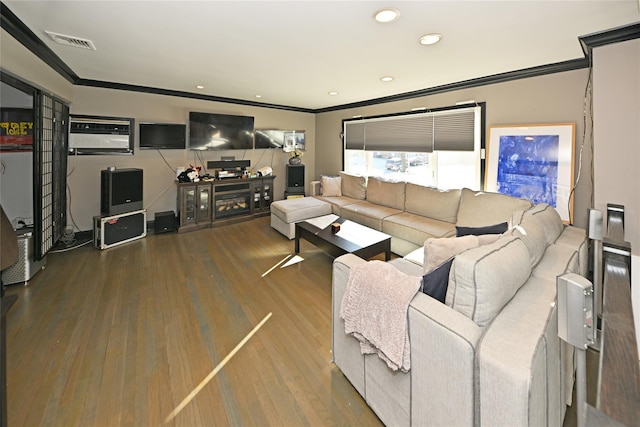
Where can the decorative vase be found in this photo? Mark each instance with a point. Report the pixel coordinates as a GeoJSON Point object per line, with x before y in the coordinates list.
{"type": "Point", "coordinates": [295, 160]}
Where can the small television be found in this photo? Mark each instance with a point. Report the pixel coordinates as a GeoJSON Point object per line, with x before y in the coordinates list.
{"type": "Point", "coordinates": [120, 191]}
{"type": "Point", "coordinates": [285, 139]}
{"type": "Point", "coordinates": [210, 131]}
{"type": "Point", "coordinates": [163, 136]}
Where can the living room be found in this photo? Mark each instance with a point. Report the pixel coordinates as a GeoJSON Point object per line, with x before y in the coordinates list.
{"type": "Point", "coordinates": [549, 98]}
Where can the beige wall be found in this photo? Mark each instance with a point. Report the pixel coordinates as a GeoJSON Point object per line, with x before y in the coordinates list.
{"type": "Point", "coordinates": [616, 99]}
{"type": "Point", "coordinates": [159, 187]}
{"type": "Point", "coordinates": [616, 85]}
{"type": "Point", "coordinates": [20, 62]}
{"type": "Point", "coordinates": [556, 98]}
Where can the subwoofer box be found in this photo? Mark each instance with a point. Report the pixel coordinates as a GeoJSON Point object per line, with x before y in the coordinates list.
{"type": "Point", "coordinates": [115, 230]}
{"type": "Point", "coordinates": [164, 222]}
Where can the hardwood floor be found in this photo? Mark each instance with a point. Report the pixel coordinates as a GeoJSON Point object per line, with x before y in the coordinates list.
{"type": "Point", "coordinates": [123, 337]}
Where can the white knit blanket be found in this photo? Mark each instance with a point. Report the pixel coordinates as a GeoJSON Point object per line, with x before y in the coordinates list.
{"type": "Point", "coordinates": [375, 311]}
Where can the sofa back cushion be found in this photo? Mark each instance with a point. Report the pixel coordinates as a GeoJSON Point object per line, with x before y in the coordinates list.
{"type": "Point", "coordinates": [478, 208]}
{"type": "Point", "coordinates": [484, 279]}
{"type": "Point", "coordinates": [432, 202]}
{"type": "Point", "coordinates": [531, 232]}
{"type": "Point", "coordinates": [550, 220]}
{"type": "Point", "coordinates": [386, 193]}
{"type": "Point", "coordinates": [354, 186]}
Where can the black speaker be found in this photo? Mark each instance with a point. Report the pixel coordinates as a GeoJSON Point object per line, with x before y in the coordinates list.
{"type": "Point", "coordinates": [120, 191]}
{"type": "Point", "coordinates": [164, 222]}
{"type": "Point", "coordinates": [295, 179]}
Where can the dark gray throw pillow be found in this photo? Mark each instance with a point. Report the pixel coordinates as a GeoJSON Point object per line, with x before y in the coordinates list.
{"type": "Point", "coordinates": [436, 282]}
{"type": "Point", "coordinates": [478, 231]}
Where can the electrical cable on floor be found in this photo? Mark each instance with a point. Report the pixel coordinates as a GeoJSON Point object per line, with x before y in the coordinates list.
{"type": "Point", "coordinates": [71, 248]}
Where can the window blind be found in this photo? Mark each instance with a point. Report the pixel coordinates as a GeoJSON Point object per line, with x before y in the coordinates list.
{"type": "Point", "coordinates": [454, 131]}
{"type": "Point", "coordinates": [451, 130]}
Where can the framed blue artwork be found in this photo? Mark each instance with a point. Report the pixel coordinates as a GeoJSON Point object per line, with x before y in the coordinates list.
{"type": "Point", "coordinates": [533, 162]}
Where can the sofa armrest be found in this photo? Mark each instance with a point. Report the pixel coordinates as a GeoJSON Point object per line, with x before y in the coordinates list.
{"type": "Point", "coordinates": [315, 188]}
{"type": "Point", "coordinates": [518, 361]}
{"type": "Point", "coordinates": [443, 348]}
{"type": "Point", "coordinates": [345, 350]}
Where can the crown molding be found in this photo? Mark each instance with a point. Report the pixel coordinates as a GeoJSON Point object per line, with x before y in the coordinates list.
{"type": "Point", "coordinates": [182, 94]}
{"type": "Point", "coordinates": [18, 30]}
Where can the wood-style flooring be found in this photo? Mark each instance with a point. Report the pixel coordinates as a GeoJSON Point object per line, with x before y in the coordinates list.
{"type": "Point", "coordinates": [150, 333]}
{"type": "Point", "coordinates": [143, 334]}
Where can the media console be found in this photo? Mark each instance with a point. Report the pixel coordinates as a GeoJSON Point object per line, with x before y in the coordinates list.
{"type": "Point", "coordinates": [207, 204]}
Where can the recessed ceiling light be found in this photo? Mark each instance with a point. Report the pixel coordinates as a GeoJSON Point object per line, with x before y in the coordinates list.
{"type": "Point", "coordinates": [386, 15]}
{"type": "Point", "coordinates": [429, 39]}
{"type": "Point", "coordinates": [258, 96]}
{"type": "Point", "coordinates": [199, 87]}
{"type": "Point", "coordinates": [333, 93]}
{"type": "Point", "coordinates": [386, 78]}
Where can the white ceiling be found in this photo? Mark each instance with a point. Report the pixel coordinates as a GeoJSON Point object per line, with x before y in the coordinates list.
{"type": "Point", "coordinates": [293, 53]}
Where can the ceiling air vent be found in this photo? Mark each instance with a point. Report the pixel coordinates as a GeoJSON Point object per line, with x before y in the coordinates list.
{"type": "Point", "coordinates": [71, 41]}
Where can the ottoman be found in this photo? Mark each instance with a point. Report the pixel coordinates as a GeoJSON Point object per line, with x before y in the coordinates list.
{"type": "Point", "coordinates": [285, 213]}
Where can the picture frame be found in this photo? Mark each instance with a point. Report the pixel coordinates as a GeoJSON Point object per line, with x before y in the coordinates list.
{"type": "Point", "coordinates": [534, 162]}
{"type": "Point", "coordinates": [294, 140]}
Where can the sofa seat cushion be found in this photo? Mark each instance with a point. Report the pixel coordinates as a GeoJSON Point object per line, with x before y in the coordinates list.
{"type": "Point", "coordinates": [296, 210]}
{"type": "Point", "coordinates": [386, 193]}
{"type": "Point", "coordinates": [485, 278]}
{"type": "Point", "coordinates": [415, 228]}
{"type": "Point", "coordinates": [367, 213]}
{"type": "Point", "coordinates": [431, 202]}
{"type": "Point", "coordinates": [478, 208]}
{"type": "Point", "coordinates": [338, 202]}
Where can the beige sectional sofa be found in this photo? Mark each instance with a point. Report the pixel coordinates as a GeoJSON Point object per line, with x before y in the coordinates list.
{"type": "Point", "coordinates": [412, 213]}
{"type": "Point", "coordinates": [490, 355]}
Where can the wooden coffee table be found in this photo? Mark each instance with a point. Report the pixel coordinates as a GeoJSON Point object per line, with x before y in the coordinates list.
{"type": "Point", "coordinates": [352, 238]}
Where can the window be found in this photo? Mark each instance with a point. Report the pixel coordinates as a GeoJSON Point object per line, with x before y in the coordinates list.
{"type": "Point", "coordinates": [437, 148]}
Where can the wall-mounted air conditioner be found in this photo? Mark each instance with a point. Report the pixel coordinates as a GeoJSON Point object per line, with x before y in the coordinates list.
{"type": "Point", "coordinates": [100, 135]}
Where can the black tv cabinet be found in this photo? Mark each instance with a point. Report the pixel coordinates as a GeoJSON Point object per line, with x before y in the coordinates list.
{"type": "Point", "coordinates": [207, 204]}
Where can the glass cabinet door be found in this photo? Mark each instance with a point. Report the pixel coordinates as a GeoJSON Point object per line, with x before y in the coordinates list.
{"type": "Point", "coordinates": [257, 190]}
{"type": "Point", "coordinates": [266, 194]}
{"type": "Point", "coordinates": [204, 202]}
{"type": "Point", "coordinates": [188, 215]}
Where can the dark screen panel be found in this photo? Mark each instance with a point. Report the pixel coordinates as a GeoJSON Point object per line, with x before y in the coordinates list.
{"type": "Point", "coordinates": [210, 131]}
{"type": "Point", "coordinates": [163, 136]}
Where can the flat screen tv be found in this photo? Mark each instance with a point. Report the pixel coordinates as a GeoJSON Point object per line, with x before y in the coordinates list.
{"type": "Point", "coordinates": [210, 131]}
{"type": "Point", "coordinates": [163, 136]}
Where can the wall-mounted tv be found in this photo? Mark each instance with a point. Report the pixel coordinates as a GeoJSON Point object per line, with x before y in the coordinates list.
{"type": "Point", "coordinates": [285, 139]}
{"type": "Point", "coordinates": [163, 136]}
{"type": "Point", "coordinates": [211, 131]}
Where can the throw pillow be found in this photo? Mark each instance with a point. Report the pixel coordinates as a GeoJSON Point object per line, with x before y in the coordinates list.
{"type": "Point", "coordinates": [438, 250]}
{"type": "Point", "coordinates": [331, 186]}
{"type": "Point", "coordinates": [478, 231]}
{"type": "Point", "coordinates": [435, 282]}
